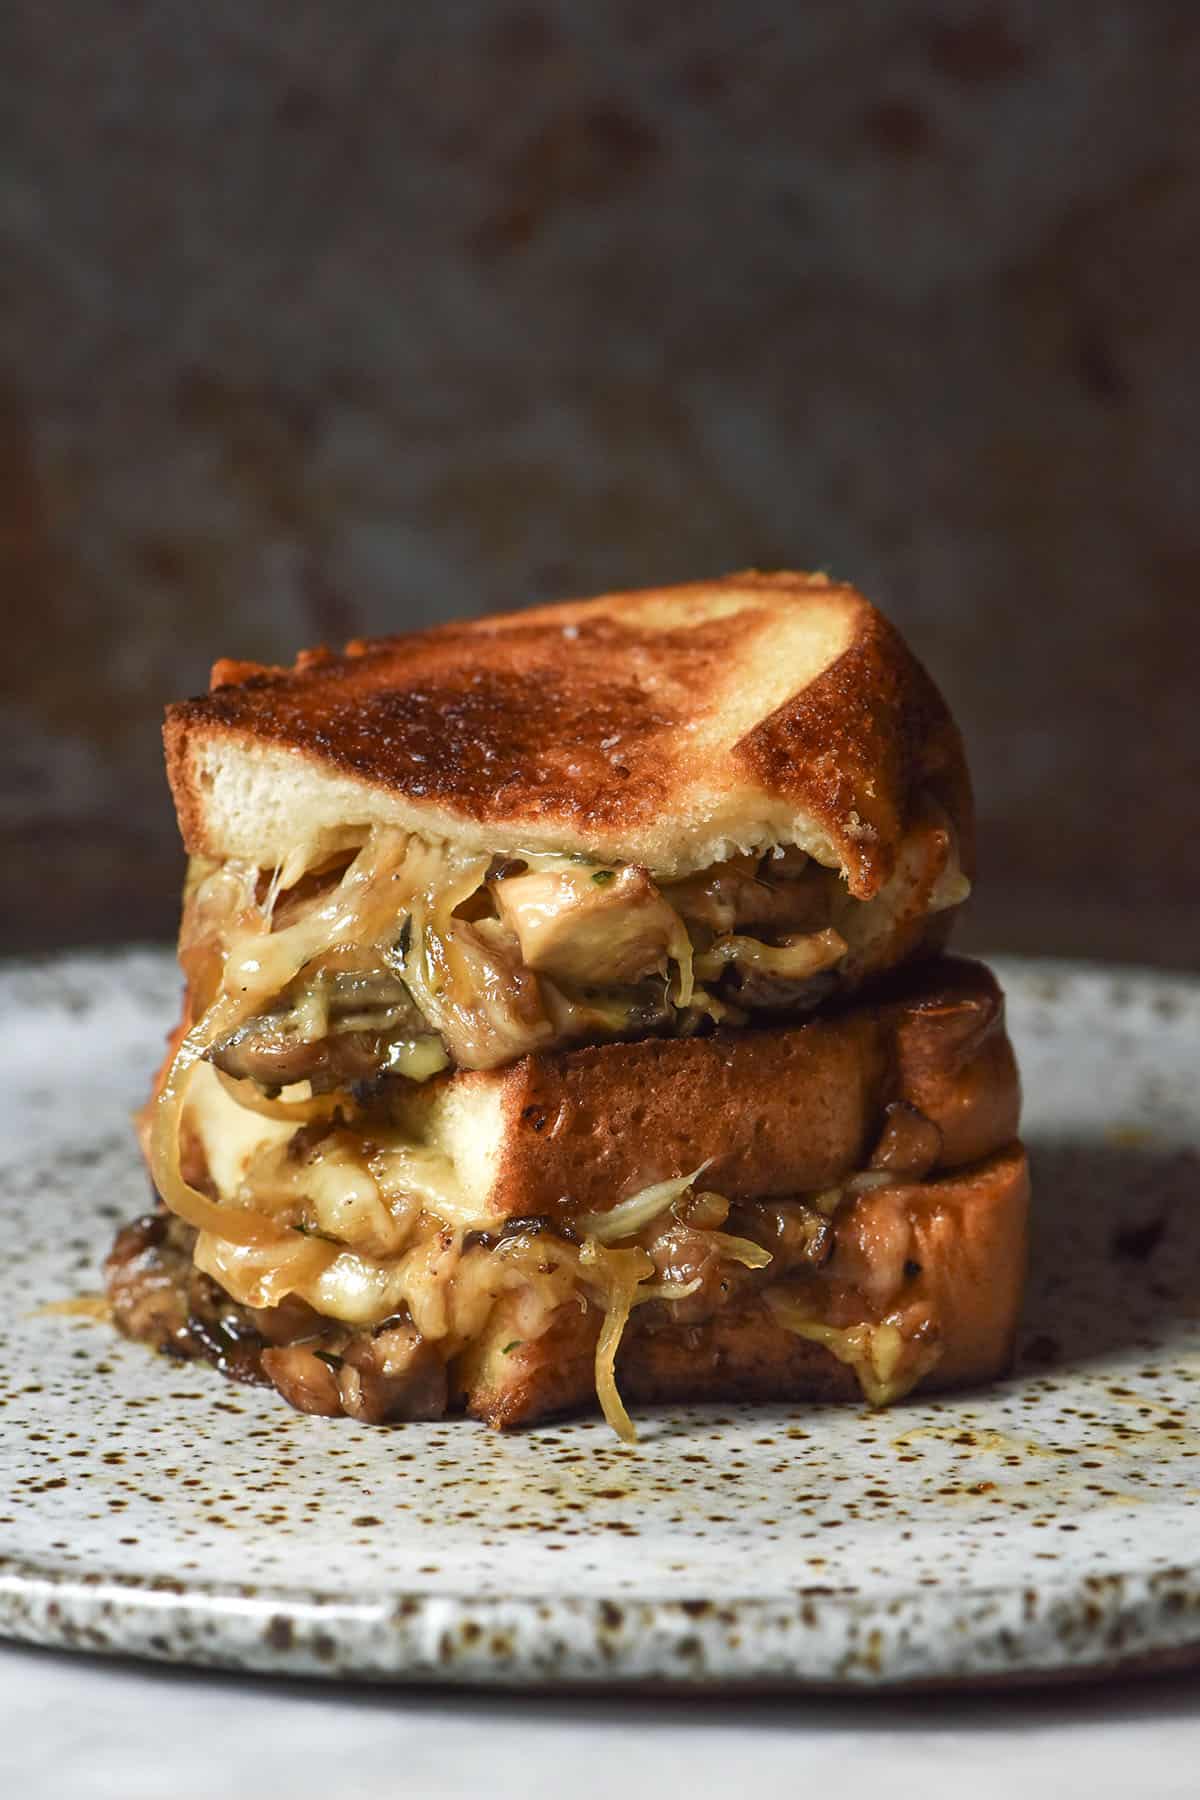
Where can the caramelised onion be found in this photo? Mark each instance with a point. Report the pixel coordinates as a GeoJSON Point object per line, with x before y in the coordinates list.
{"type": "Point", "coordinates": [888, 1365]}
{"type": "Point", "coordinates": [306, 1110]}
{"type": "Point", "coordinates": [618, 1274]}
{"type": "Point", "coordinates": [795, 958]}
{"type": "Point", "coordinates": [237, 1224]}
{"type": "Point", "coordinates": [629, 1216]}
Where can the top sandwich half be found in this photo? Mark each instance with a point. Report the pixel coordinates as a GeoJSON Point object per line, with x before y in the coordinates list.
{"type": "Point", "coordinates": [635, 815]}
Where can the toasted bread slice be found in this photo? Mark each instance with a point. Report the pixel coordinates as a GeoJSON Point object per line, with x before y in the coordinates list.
{"type": "Point", "coordinates": [969, 1233]}
{"type": "Point", "coordinates": [668, 728]}
{"type": "Point", "coordinates": [768, 1112]}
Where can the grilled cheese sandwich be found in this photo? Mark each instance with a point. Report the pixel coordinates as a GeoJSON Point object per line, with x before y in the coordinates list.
{"type": "Point", "coordinates": [522, 953]}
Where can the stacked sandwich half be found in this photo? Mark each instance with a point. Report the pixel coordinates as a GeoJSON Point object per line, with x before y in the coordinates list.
{"type": "Point", "coordinates": [566, 1019]}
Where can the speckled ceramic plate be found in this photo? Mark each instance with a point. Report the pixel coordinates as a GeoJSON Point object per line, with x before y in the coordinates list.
{"type": "Point", "coordinates": [1050, 1524]}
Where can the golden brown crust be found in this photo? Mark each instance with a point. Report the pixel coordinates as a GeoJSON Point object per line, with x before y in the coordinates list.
{"type": "Point", "coordinates": [777, 1111]}
{"type": "Point", "coordinates": [740, 1355]}
{"type": "Point", "coordinates": [971, 1237]}
{"type": "Point", "coordinates": [759, 699]}
{"type": "Point", "coordinates": [518, 1385]}
{"type": "Point", "coordinates": [953, 1061]}
{"type": "Point", "coordinates": [970, 1234]}
{"type": "Point", "coordinates": [858, 743]}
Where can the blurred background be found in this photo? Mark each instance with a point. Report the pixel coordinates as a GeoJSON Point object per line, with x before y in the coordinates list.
{"type": "Point", "coordinates": [318, 320]}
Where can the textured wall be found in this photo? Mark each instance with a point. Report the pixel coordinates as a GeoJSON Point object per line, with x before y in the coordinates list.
{"type": "Point", "coordinates": [317, 319]}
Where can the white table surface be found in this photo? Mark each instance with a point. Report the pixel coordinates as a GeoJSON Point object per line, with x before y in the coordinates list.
{"type": "Point", "coordinates": [83, 1729]}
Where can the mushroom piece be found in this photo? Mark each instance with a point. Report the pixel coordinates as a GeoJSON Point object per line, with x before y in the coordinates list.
{"type": "Point", "coordinates": [589, 925]}
{"type": "Point", "coordinates": [910, 1145]}
{"type": "Point", "coordinates": [396, 1374]}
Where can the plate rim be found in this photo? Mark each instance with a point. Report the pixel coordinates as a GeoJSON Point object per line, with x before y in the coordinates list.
{"type": "Point", "coordinates": [442, 1637]}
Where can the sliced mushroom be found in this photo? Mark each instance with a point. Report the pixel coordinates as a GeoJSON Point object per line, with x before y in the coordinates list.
{"type": "Point", "coordinates": [361, 1014]}
{"type": "Point", "coordinates": [786, 892]}
{"type": "Point", "coordinates": [265, 1051]}
{"type": "Point", "coordinates": [395, 1374]}
{"type": "Point", "coordinates": [910, 1145]}
{"type": "Point", "coordinates": [306, 1381]}
{"type": "Point", "coordinates": [794, 974]}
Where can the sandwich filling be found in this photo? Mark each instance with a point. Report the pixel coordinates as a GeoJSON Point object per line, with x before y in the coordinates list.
{"type": "Point", "coordinates": [411, 957]}
{"type": "Point", "coordinates": [318, 998]}
{"type": "Point", "coordinates": [408, 1335]}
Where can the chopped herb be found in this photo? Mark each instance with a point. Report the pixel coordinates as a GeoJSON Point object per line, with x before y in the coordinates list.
{"type": "Point", "coordinates": [604, 875]}
{"type": "Point", "coordinates": [515, 1345]}
{"type": "Point", "coordinates": [311, 1231]}
{"type": "Point", "coordinates": [328, 1358]}
{"type": "Point", "coordinates": [404, 941]}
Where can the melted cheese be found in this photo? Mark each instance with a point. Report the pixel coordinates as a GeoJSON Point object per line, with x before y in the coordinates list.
{"type": "Point", "coordinates": [887, 1364]}
{"type": "Point", "coordinates": [230, 1135]}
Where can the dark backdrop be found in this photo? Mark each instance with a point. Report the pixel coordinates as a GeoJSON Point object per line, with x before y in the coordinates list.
{"type": "Point", "coordinates": [321, 319]}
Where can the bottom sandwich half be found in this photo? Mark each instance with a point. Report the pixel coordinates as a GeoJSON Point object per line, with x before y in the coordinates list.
{"type": "Point", "coordinates": [818, 1212]}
